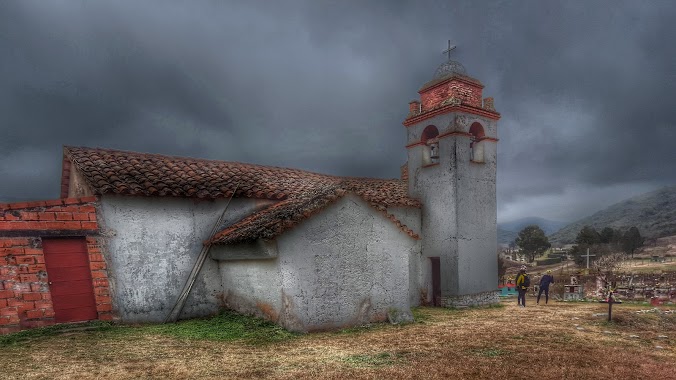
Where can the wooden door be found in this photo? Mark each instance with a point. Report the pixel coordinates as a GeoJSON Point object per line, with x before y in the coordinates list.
{"type": "Point", "coordinates": [436, 281]}
{"type": "Point", "coordinates": [70, 279]}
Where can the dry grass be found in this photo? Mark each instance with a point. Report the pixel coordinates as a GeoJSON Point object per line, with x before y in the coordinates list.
{"type": "Point", "coordinates": [543, 342]}
{"type": "Point", "coordinates": [646, 266]}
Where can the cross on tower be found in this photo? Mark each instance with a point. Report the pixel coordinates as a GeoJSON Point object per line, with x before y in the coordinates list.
{"type": "Point", "coordinates": [450, 48]}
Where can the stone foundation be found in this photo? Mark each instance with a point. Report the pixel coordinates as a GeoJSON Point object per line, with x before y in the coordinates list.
{"type": "Point", "coordinates": [477, 299]}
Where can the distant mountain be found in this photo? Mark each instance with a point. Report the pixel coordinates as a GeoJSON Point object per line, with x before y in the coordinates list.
{"type": "Point", "coordinates": [508, 231]}
{"type": "Point", "coordinates": [653, 213]}
{"type": "Point", "coordinates": [548, 226]}
{"type": "Point", "coordinates": [506, 237]}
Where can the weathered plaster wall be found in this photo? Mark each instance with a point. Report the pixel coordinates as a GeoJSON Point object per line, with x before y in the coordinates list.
{"type": "Point", "coordinates": [420, 275]}
{"type": "Point", "coordinates": [410, 216]}
{"type": "Point", "coordinates": [477, 221]}
{"type": "Point", "coordinates": [152, 245]}
{"type": "Point", "coordinates": [77, 187]}
{"type": "Point", "coordinates": [436, 188]}
{"type": "Point", "coordinates": [257, 250]}
{"type": "Point", "coordinates": [251, 277]}
{"type": "Point", "coordinates": [459, 205]}
{"type": "Point", "coordinates": [253, 286]}
{"type": "Point", "coordinates": [345, 266]}
{"type": "Point", "coordinates": [353, 270]}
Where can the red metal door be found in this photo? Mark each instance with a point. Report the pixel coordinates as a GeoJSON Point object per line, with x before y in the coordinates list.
{"type": "Point", "coordinates": [70, 279]}
{"type": "Point", "coordinates": [436, 281]}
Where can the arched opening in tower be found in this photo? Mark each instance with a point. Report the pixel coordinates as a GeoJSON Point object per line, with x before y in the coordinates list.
{"type": "Point", "coordinates": [476, 145]}
{"type": "Point", "coordinates": [431, 145]}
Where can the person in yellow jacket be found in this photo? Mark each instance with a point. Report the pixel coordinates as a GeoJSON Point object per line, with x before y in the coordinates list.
{"type": "Point", "coordinates": [522, 283]}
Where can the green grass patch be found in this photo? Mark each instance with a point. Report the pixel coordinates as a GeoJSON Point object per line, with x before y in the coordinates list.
{"type": "Point", "coordinates": [376, 360]}
{"type": "Point", "coordinates": [226, 326]}
{"type": "Point", "coordinates": [564, 338]}
{"type": "Point", "coordinates": [223, 327]}
{"type": "Point", "coordinates": [363, 328]}
{"type": "Point", "coordinates": [42, 332]}
{"type": "Point", "coordinates": [489, 352]}
{"type": "Point", "coordinates": [420, 315]}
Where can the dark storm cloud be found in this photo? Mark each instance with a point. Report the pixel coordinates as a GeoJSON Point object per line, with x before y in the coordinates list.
{"type": "Point", "coordinates": [602, 62]}
{"type": "Point", "coordinates": [585, 88]}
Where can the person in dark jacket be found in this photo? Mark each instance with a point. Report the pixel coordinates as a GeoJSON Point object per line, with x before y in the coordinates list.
{"type": "Point", "coordinates": [544, 286]}
{"type": "Point", "coordinates": [521, 286]}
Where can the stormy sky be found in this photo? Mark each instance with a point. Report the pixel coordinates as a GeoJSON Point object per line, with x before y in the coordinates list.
{"type": "Point", "coordinates": [586, 89]}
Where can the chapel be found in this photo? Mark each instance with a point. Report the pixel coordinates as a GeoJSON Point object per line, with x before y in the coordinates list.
{"type": "Point", "coordinates": [187, 237]}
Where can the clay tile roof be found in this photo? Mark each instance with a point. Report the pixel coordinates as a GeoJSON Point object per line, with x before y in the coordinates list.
{"type": "Point", "coordinates": [300, 193]}
{"type": "Point", "coordinates": [133, 173]}
{"type": "Point", "coordinates": [272, 221]}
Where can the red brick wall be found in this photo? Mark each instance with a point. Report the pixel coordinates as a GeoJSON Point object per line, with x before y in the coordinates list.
{"type": "Point", "coordinates": [25, 301]}
{"type": "Point", "coordinates": [468, 93]}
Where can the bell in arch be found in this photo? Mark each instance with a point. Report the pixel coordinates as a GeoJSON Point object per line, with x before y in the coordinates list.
{"type": "Point", "coordinates": [434, 150]}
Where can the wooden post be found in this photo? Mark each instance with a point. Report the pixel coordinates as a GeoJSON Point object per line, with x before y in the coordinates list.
{"type": "Point", "coordinates": [175, 312]}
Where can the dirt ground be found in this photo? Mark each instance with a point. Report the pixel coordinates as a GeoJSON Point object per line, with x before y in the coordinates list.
{"type": "Point", "coordinates": [555, 341]}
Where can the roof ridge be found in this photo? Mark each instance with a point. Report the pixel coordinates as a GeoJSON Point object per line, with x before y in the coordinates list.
{"type": "Point", "coordinates": [316, 201]}
{"type": "Point", "coordinates": [299, 209]}
{"type": "Point", "coordinates": [68, 149]}
{"type": "Point", "coordinates": [150, 174]}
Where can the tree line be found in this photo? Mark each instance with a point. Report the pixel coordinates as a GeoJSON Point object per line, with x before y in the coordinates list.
{"type": "Point", "coordinates": [609, 240]}
{"type": "Point", "coordinates": [533, 242]}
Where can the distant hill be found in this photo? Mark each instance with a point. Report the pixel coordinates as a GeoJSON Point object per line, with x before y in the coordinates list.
{"type": "Point", "coordinates": [548, 226]}
{"type": "Point", "coordinates": [508, 231]}
{"type": "Point", "coordinates": [506, 237]}
{"type": "Point", "coordinates": [653, 213]}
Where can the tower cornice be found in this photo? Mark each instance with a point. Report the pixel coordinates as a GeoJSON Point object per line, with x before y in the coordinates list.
{"type": "Point", "coordinates": [457, 77]}
{"type": "Point", "coordinates": [453, 133]}
{"type": "Point", "coordinates": [415, 119]}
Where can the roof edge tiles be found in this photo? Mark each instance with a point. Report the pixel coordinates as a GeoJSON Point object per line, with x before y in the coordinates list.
{"type": "Point", "coordinates": [299, 193]}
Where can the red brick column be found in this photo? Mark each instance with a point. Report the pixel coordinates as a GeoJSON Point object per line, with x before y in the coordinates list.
{"type": "Point", "coordinates": [98, 266]}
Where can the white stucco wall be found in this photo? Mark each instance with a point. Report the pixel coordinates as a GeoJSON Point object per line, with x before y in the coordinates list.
{"type": "Point", "coordinates": [477, 222]}
{"type": "Point", "coordinates": [420, 268]}
{"type": "Point", "coordinates": [252, 286]}
{"type": "Point", "coordinates": [459, 205]}
{"type": "Point", "coordinates": [151, 245]}
{"type": "Point", "coordinates": [251, 277]}
{"type": "Point", "coordinates": [77, 186]}
{"type": "Point", "coordinates": [345, 266]}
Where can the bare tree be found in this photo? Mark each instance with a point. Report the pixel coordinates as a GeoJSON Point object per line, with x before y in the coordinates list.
{"type": "Point", "coordinates": [606, 265]}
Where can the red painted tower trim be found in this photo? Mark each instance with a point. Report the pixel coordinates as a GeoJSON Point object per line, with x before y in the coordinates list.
{"type": "Point", "coordinates": [451, 108]}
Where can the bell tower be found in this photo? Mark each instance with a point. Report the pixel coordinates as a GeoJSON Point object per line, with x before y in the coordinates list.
{"type": "Point", "coordinates": [451, 143]}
